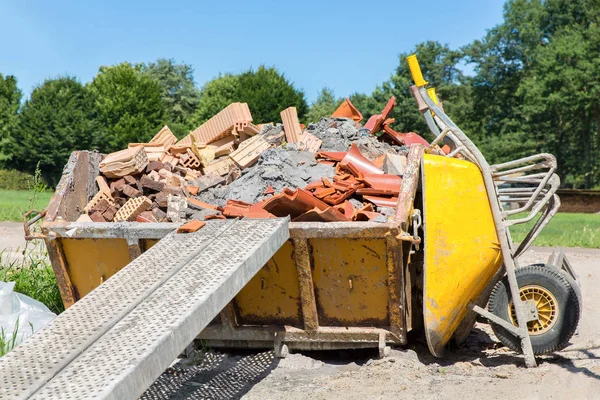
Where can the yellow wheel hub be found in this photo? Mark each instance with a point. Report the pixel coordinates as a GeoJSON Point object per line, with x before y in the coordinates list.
{"type": "Point", "coordinates": [547, 308]}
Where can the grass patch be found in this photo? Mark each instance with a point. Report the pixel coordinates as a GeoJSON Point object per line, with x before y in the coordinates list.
{"type": "Point", "coordinates": [33, 276]}
{"type": "Point", "coordinates": [8, 340]}
{"type": "Point", "coordinates": [14, 203]}
{"type": "Point", "coordinates": [566, 230]}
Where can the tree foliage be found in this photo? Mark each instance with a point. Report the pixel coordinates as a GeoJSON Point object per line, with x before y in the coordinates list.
{"type": "Point", "coordinates": [128, 106]}
{"type": "Point", "coordinates": [537, 83]}
{"type": "Point", "coordinates": [10, 101]}
{"type": "Point", "coordinates": [179, 94]}
{"type": "Point", "coordinates": [55, 121]}
{"type": "Point", "coordinates": [439, 65]}
{"type": "Point", "coordinates": [266, 91]}
{"type": "Point", "coordinates": [324, 106]}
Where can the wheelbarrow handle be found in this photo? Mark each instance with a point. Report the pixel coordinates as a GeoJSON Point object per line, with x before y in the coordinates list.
{"type": "Point", "coordinates": [415, 70]}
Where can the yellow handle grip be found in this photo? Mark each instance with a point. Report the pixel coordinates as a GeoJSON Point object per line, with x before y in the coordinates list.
{"type": "Point", "coordinates": [431, 92]}
{"type": "Point", "coordinates": [415, 70]}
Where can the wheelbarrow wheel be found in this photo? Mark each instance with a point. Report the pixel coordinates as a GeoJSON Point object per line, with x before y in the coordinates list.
{"type": "Point", "coordinates": [557, 304]}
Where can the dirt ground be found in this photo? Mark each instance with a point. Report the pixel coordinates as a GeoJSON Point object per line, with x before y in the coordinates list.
{"type": "Point", "coordinates": [482, 368]}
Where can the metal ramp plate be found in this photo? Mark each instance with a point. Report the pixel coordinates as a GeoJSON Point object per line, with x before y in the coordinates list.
{"type": "Point", "coordinates": [116, 341]}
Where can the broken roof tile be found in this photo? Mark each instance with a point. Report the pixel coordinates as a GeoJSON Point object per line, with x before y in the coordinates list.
{"type": "Point", "coordinates": [357, 163]}
{"type": "Point", "coordinates": [381, 201]}
{"type": "Point", "coordinates": [347, 110]}
{"type": "Point", "coordinates": [330, 214]}
{"type": "Point", "coordinates": [293, 203]}
{"type": "Point", "coordinates": [190, 227]}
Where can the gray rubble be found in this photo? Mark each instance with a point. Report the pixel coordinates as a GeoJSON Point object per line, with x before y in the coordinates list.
{"type": "Point", "coordinates": [278, 167]}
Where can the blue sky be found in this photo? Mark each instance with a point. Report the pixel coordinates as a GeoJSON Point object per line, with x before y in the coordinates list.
{"type": "Point", "coordinates": [349, 46]}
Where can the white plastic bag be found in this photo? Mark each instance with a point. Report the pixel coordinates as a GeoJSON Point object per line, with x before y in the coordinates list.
{"type": "Point", "coordinates": [22, 313]}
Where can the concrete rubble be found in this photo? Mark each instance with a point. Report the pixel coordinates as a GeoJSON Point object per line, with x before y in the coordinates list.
{"type": "Point", "coordinates": [333, 170]}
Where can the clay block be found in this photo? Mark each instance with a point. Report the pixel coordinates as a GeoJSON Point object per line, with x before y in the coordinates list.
{"type": "Point", "coordinates": [124, 162]}
{"type": "Point", "coordinates": [130, 192]}
{"type": "Point", "coordinates": [100, 206]}
{"type": "Point", "coordinates": [249, 151]}
{"type": "Point", "coordinates": [219, 166]}
{"type": "Point", "coordinates": [165, 137]}
{"type": "Point", "coordinates": [309, 142]}
{"type": "Point", "coordinates": [102, 184]}
{"type": "Point", "coordinates": [148, 183]}
{"type": "Point", "coordinates": [220, 125]}
{"type": "Point", "coordinates": [97, 198]}
{"type": "Point", "coordinates": [110, 212]}
{"type": "Point", "coordinates": [190, 160]}
{"type": "Point", "coordinates": [97, 217]}
{"type": "Point", "coordinates": [291, 125]}
{"type": "Point", "coordinates": [132, 209]}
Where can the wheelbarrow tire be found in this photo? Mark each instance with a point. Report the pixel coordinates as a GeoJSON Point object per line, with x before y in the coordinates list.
{"type": "Point", "coordinates": [558, 308]}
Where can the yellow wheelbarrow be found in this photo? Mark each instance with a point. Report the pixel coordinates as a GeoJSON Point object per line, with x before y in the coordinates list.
{"type": "Point", "coordinates": [534, 308]}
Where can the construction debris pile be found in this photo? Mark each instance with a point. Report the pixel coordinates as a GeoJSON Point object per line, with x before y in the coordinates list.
{"type": "Point", "coordinates": [334, 170]}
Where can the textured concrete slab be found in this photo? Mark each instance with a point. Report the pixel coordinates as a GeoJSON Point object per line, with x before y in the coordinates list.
{"type": "Point", "coordinates": [115, 341]}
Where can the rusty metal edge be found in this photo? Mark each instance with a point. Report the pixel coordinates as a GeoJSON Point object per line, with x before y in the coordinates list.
{"type": "Point", "coordinates": [150, 230]}
{"type": "Point", "coordinates": [343, 335]}
{"type": "Point", "coordinates": [410, 182]}
{"type": "Point", "coordinates": [305, 283]}
{"type": "Point", "coordinates": [395, 268]}
{"type": "Point", "coordinates": [61, 272]}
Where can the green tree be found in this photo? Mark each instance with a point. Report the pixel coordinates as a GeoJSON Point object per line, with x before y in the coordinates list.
{"type": "Point", "coordinates": [536, 85]}
{"type": "Point", "coordinates": [440, 68]}
{"type": "Point", "coordinates": [266, 91]}
{"type": "Point", "coordinates": [324, 106]}
{"type": "Point", "coordinates": [179, 93]}
{"type": "Point", "coordinates": [10, 100]}
{"type": "Point", "coordinates": [55, 121]}
{"type": "Point", "coordinates": [215, 96]}
{"type": "Point", "coordinates": [128, 104]}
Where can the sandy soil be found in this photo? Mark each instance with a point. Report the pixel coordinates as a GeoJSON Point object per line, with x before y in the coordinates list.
{"type": "Point", "coordinates": [482, 368]}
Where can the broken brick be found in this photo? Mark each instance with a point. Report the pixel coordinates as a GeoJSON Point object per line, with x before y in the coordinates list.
{"type": "Point", "coordinates": [130, 192]}
{"type": "Point", "coordinates": [100, 206]}
{"type": "Point", "coordinates": [192, 190]}
{"type": "Point", "coordinates": [154, 166]}
{"type": "Point", "coordinates": [148, 183]}
{"type": "Point", "coordinates": [159, 214]}
{"type": "Point", "coordinates": [109, 213]}
{"type": "Point", "coordinates": [97, 217]}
